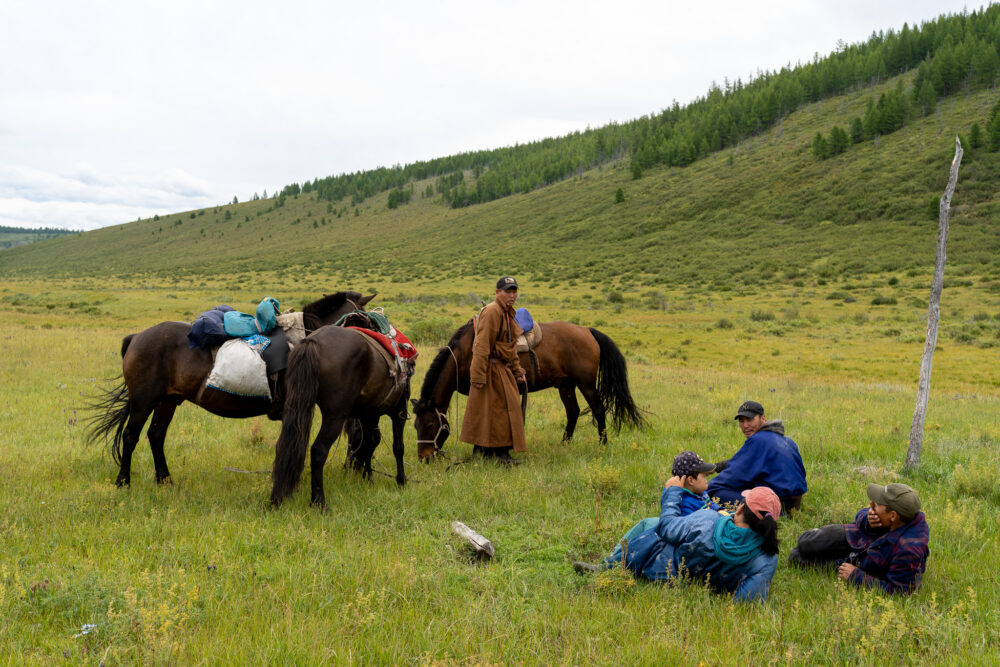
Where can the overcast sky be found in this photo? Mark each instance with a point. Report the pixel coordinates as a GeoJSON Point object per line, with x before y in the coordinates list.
{"type": "Point", "coordinates": [111, 111]}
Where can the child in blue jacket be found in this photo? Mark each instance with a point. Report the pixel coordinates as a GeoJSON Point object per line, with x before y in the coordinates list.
{"type": "Point", "coordinates": [689, 471]}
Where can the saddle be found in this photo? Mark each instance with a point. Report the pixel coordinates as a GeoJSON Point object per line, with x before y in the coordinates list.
{"type": "Point", "coordinates": [395, 349]}
{"type": "Point", "coordinates": [532, 335]}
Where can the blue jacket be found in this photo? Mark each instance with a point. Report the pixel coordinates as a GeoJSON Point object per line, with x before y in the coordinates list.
{"type": "Point", "coordinates": [767, 458]}
{"type": "Point", "coordinates": [894, 561]}
{"type": "Point", "coordinates": [685, 545]}
{"type": "Point", "coordinates": [690, 502]}
{"type": "Point", "coordinates": [208, 330]}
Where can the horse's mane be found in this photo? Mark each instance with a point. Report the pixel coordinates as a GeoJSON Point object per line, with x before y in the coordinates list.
{"type": "Point", "coordinates": [329, 303]}
{"type": "Point", "coordinates": [443, 357]}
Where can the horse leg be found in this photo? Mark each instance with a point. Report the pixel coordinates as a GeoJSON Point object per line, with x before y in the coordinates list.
{"type": "Point", "coordinates": [597, 409]}
{"type": "Point", "coordinates": [372, 438]}
{"type": "Point", "coordinates": [130, 437]}
{"type": "Point", "coordinates": [398, 418]}
{"type": "Point", "coordinates": [156, 434]}
{"type": "Point", "coordinates": [329, 431]}
{"type": "Point", "coordinates": [567, 392]}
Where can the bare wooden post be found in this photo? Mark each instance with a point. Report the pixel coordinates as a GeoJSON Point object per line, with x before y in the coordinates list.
{"type": "Point", "coordinates": [933, 316]}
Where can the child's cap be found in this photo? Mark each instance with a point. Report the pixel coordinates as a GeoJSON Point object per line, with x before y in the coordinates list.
{"type": "Point", "coordinates": [689, 463]}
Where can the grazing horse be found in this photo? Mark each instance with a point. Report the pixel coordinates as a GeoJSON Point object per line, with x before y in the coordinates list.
{"type": "Point", "coordinates": [160, 371]}
{"type": "Point", "coordinates": [569, 357]}
{"type": "Point", "coordinates": [343, 373]}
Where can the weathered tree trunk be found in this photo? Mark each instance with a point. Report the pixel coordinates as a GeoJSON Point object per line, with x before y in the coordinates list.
{"type": "Point", "coordinates": [933, 315]}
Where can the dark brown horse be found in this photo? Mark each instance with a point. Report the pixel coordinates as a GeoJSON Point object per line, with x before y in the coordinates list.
{"type": "Point", "coordinates": [344, 374]}
{"type": "Point", "coordinates": [160, 371]}
{"type": "Point", "coordinates": [569, 357]}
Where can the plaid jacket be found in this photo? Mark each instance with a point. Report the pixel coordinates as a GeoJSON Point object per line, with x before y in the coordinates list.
{"type": "Point", "coordinates": [894, 561]}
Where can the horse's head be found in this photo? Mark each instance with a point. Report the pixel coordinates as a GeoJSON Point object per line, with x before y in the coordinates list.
{"type": "Point", "coordinates": [432, 428]}
{"type": "Point", "coordinates": [332, 307]}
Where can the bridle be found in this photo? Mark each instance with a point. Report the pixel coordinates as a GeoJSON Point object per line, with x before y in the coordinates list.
{"type": "Point", "coordinates": [443, 426]}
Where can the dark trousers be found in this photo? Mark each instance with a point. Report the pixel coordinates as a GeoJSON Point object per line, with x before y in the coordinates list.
{"type": "Point", "coordinates": [821, 546]}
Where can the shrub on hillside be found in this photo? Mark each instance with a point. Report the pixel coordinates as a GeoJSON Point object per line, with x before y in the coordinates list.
{"type": "Point", "coordinates": [881, 300]}
{"type": "Point", "coordinates": [761, 316]}
{"type": "Point", "coordinates": [430, 330]}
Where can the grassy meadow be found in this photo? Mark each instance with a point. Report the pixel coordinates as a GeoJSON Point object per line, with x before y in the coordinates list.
{"type": "Point", "coordinates": [203, 572]}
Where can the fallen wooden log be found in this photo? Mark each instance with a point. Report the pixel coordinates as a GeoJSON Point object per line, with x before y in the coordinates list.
{"type": "Point", "coordinates": [483, 547]}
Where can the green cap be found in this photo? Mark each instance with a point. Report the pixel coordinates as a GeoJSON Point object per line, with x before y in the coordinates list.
{"type": "Point", "coordinates": [899, 497]}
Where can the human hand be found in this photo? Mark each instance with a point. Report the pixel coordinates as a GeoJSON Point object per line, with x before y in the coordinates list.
{"type": "Point", "coordinates": [478, 385]}
{"type": "Point", "coordinates": [522, 378]}
{"type": "Point", "coordinates": [673, 481]}
{"type": "Point", "coordinates": [845, 571]}
{"type": "Point", "coordinates": [873, 520]}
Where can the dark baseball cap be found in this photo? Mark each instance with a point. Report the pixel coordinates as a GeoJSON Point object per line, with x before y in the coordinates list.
{"type": "Point", "coordinates": [689, 463]}
{"type": "Point", "coordinates": [506, 283]}
{"type": "Point", "coordinates": [899, 497]}
{"type": "Point", "coordinates": [749, 409]}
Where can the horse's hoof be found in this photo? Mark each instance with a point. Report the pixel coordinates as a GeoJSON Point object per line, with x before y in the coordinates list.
{"type": "Point", "coordinates": [165, 481]}
{"type": "Point", "coordinates": [122, 483]}
{"type": "Point", "coordinates": [320, 504]}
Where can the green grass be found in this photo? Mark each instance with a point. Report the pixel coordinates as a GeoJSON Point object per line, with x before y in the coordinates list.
{"type": "Point", "coordinates": [202, 572]}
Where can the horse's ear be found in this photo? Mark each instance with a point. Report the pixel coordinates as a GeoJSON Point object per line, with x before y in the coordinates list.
{"type": "Point", "coordinates": [365, 299]}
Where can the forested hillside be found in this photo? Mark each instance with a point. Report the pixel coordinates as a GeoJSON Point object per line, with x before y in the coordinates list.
{"type": "Point", "coordinates": [754, 183]}
{"type": "Point", "coordinates": [948, 53]}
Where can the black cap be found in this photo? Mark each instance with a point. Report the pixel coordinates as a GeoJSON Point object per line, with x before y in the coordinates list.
{"type": "Point", "coordinates": [506, 283]}
{"type": "Point", "coordinates": [749, 409]}
{"type": "Point", "coordinates": [689, 463]}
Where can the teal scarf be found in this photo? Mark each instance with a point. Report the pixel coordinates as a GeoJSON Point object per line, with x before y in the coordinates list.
{"type": "Point", "coordinates": [734, 545]}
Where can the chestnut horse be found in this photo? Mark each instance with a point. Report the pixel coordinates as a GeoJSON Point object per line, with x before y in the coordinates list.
{"type": "Point", "coordinates": [344, 374]}
{"type": "Point", "coordinates": [569, 357]}
{"type": "Point", "coordinates": [160, 371]}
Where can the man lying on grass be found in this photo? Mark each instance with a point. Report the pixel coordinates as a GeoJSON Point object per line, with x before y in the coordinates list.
{"type": "Point", "coordinates": [733, 554]}
{"type": "Point", "coordinates": [886, 546]}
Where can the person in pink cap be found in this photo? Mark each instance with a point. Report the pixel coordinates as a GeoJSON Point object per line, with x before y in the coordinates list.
{"type": "Point", "coordinates": [736, 554]}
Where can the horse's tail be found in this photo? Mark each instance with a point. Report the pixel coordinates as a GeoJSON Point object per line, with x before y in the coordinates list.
{"type": "Point", "coordinates": [612, 384]}
{"type": "Point", "coordinates": [111, 410]}
{"type": "Point", "coordinates": [301, 387]}
{"type": "Point", "coordinates": [125, 343]}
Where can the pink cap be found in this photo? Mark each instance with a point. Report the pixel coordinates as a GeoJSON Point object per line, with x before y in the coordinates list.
{"type": "Point", "coordinates": [762, 501]}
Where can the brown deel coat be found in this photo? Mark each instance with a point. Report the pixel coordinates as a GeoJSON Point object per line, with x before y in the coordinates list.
{"type": "Point", "coordinates": [493, 413]}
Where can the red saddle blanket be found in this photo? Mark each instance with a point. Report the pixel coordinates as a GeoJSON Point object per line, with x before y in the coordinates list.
{"type": "Point", "coordinates": [403, 348]}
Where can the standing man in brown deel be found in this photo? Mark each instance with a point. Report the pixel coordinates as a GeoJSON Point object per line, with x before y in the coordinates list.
{"type": "Point", "coordinates": [493, 422]}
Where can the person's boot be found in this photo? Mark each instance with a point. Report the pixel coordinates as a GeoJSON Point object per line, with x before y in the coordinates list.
{"type": "Point", "coordinates": [504, 457]}
{"type": "Point", "coordinates": [586, 568]}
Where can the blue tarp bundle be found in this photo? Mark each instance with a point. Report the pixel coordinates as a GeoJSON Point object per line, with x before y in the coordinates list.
{"type": "Point", "coordinates": [524, 320]}
{"type": "Point", "coordinates": [239, 325]}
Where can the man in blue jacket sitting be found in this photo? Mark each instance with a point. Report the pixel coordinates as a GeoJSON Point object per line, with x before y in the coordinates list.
{"type": "Point", "coordinates": [767, 458]}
